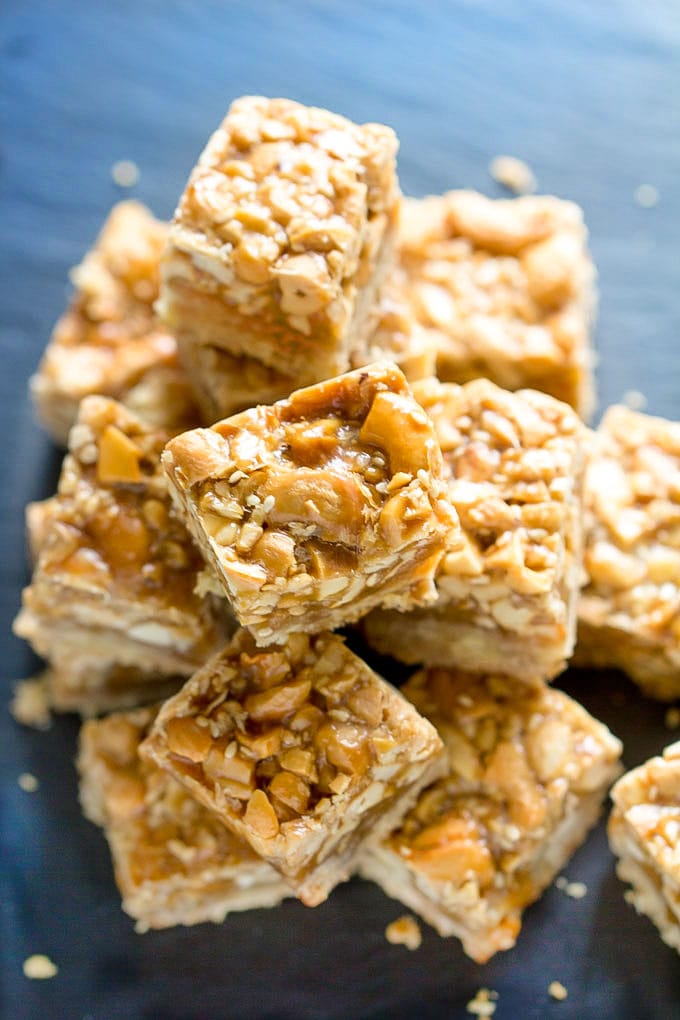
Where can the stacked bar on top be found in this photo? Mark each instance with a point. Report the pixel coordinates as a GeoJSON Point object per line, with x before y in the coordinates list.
{"type": "Point", "coordinates": [281, 240]}
{"type": "Point", "coordinates": [317, 508]}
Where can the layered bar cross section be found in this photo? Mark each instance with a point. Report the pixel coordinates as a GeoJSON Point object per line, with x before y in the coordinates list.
{"type": "Point", "coordinates": [111, 604]}
{"type": "Point", "coordinates": [174, 861]}
{"type": "Point", "coordinates": [644, 833]}
{"type": "Point", "coordinates": [280, 242]}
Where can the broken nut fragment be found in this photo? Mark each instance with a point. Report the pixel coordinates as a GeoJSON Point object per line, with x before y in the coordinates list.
{"type": "Point", "coordinates": [187, 739]}
{"type": "Point", "coordinates": [261, 816]}
{"type": "Point", "coordinates": [278, 702]}
{"type": "Point", "coordinates": [118, 459]}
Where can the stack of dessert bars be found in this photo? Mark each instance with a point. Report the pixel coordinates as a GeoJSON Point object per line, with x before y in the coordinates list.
{"type": "Point", "coordinates": [308, 404]}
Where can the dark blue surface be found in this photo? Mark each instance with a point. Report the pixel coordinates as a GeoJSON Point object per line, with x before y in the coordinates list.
{"type": "Point", "coordinates": [589, 94]}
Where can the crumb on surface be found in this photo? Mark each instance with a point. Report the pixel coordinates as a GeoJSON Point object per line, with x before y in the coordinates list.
{"type": "Point", "coordinates": [28, 782]}
{"type": "Point", "coordinates": [646, 195]}
{"type": "Point", "coordinates": [405, 931]}
{"type": "Point", "coordinates": [483, 1003]}
{"type": "Point", "coordinates": [39, 967]}
{"type": "Point", "coordinates": [125, 173]}
{"type": "Point", "coordinates": [513, 174]}
{"type": "Point", "coordinates": [635, 400]}
{"type": "Point", "coordinates": [30, 705]}
{"type": "Point", "coordinates": [556, 990]}
{"type": "Point", "coordinates": [672, 718]}
{"type": "Point", "coordinates": [575, 890]}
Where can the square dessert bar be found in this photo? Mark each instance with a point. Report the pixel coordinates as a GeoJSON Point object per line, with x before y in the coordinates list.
{"type": "Point", "coordinates": [109, 341]}
{"type": "Point", "coordinates": [319, 507]}
{"type": "Point", "coordinates": [301, 750]}
{"type": "Point", "coordinates": [507, 599]}
{"type": "Point", "coordinates": [629, 613]}
{"type": "Point", "coordinates": [506, 290]}
{"type": "Point", "coordinates": [644, 833]}
{"type": "Point", "coordinates": [111, 604]}
{"type": "Point", "coordinates": [529, 771]}
{"type": "Point", "coordinates": [174, 861]}
{"type": "Point", "coordinates": [282, 237]}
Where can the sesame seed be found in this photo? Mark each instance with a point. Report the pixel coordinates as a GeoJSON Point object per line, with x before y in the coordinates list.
{"type": "Point", "coordinates": [483, 1004]}
{"type": "Point", "coordinates": [556, 990]}
{"type": "Point", "coordinates": [125, 173]}
{"type": "Point", "coordinates": [39, 967]}
{"type": "Point", "coordinates": [513, 174]}
{"type": "Point", "coordinates": [635, 400]}
{"type": "Point", "coordinates": [646, 195]}
{"type": "Point", "coordinates": [28, 782]}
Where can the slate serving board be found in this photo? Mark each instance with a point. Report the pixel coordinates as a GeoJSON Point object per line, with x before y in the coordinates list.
{"type": "Point", "coordinates": [589, 94]}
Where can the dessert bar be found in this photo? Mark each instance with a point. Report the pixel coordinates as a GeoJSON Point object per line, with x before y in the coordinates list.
{"type": "Point", "coordinates": [644, 833]}
{"type": "Point", "coordinates": [301, 749]}
{"type": "Point", "coordinates": [507, 598]}
{"type": "Point", "coordinates": [629, 613]}
{"type": "Point", "coordinates": [529, 771]}
{"type": "Point", "coordinates": [109, 340]}
{"type": "Point", "coordinates": [281, 239]}
{"type": "Point", "coordinates": [315, 509]}
{"type": "Point", "coordinates": [505, 288]}
{"type": "Point", "coordinates": [111, 605]}
{"type": "Point", "coordinates": [174, 861]}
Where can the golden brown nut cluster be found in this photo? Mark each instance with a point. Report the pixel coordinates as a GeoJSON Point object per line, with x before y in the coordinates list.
{"type": "Point", "coordinates": [528, 773]}
{"type": "Point", "coordinates": [175, 861]}
{"type": "Point", "coordinates": [505, 288]}
{"type": "Point", "coordinates": [318, 507]}
{"type": "Point", "coordinates": [629, 614]}
{"type": "Point", "coordinates": [109, 341]}
{"type": "Point", "coordinates": [301, 749]}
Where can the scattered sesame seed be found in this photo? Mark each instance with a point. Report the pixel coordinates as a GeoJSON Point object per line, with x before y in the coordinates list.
{"type": "Point", "coordinates": [483, 1003]}
{"type": "Point", "coordinates": [635, 400]}
{"type": "Point", "coordinates": [125, 173]}
{"type": "Point", "coordinates": [672, 718]}
{"type": "Point", "coordinates": [561, 882]}
{"type": "Point", "coordinates": [28, 782]}
{"type": "Point", "coordinates": [405, 931]}
{"type": "Point", "coordinates": [39, 967]}
{"type": "Point", "coordinates": [30, 705]}
{"type": "Point", "coordinates": [556, 990]}
{"type": "Point", "coordinates": [513, 174]}
{"type": "Point", "coordinates": [576, 890]}
{"type": "Point", "coordinates": [646, 195]}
